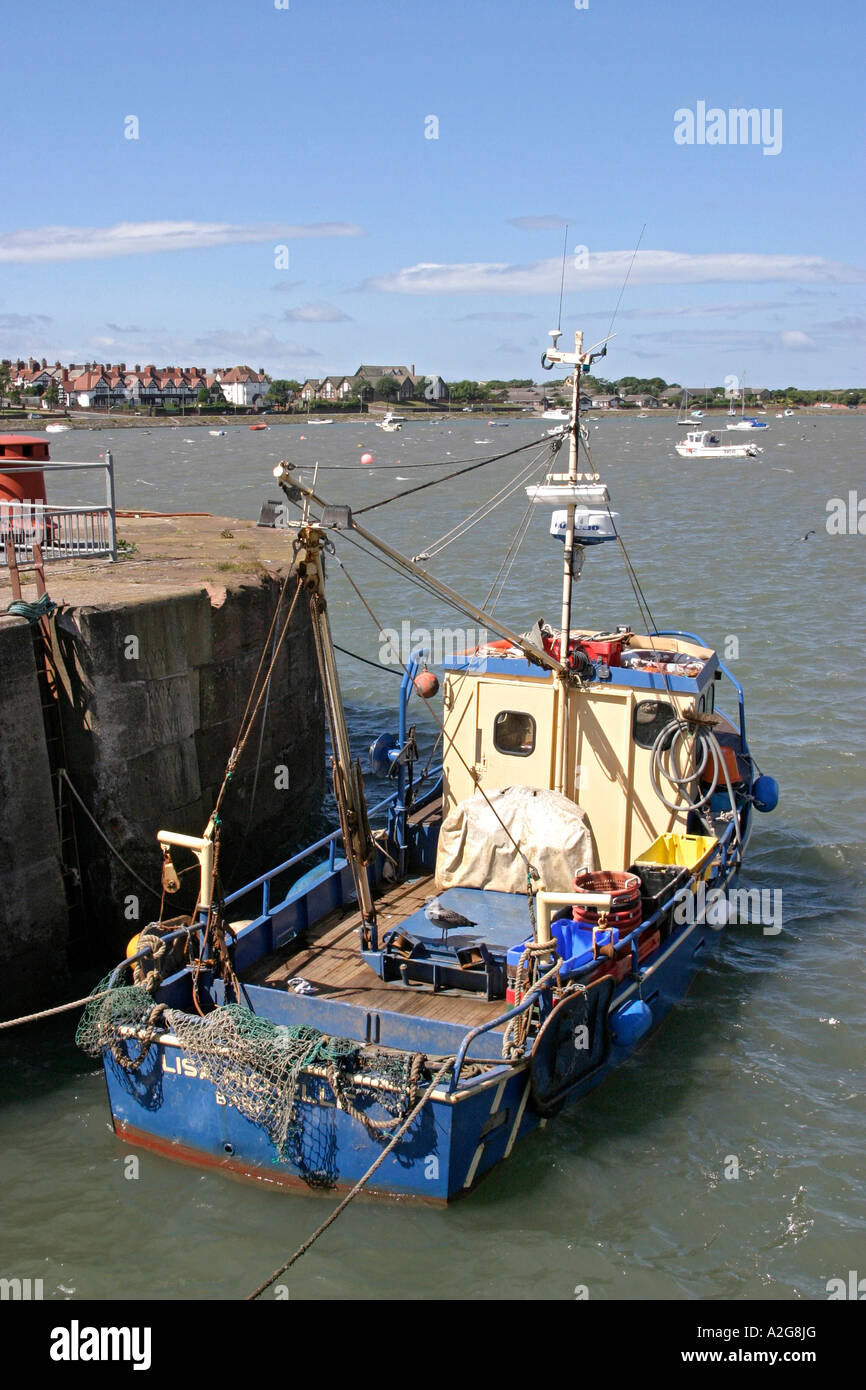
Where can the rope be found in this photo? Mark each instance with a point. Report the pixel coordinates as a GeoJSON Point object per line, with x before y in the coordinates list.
{"type": "Point", "coordinates": [61, 1009]}
{"type": "Point", "coordinates": [367, 662]}
{"type": "Point", "coordinates": [61, 772]}
{"type": "Point", "coordinates": [517, 1029]}
{"type": "Point", "coordinates": [34, 612]}
{"type": "Point", "coordinates": [247, 723]}
{"type": "Point", "coordinates": [350, 1196]}
{"type": "Point", "coordinates": [459, 473]}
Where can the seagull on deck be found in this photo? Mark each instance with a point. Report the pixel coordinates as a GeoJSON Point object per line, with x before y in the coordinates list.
{"type": "Point", "coordinates": [445, 917]}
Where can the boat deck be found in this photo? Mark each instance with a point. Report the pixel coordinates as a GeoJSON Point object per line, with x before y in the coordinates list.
{"type": "Point", "coordinates": [327, 955]}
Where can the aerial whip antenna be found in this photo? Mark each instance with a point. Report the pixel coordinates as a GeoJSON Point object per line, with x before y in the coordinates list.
{"type": "Point", "coordinates": [562, 279]}
{"type": "Point", "coordinates": [627, 274]}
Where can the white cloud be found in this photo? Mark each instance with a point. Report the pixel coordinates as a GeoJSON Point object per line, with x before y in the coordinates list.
{"type": "Point", "coordinates": [317, 312]}
{"type": "Point", "coordinates": [608, 269]}
{"type": "Point", "coordinates": [38, 244]}
{"type": "Point", "coordinates": [795, 340]}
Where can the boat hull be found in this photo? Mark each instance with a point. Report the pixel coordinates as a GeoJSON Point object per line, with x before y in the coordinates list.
{"type": "Point", "coordinates": [167, 1107]}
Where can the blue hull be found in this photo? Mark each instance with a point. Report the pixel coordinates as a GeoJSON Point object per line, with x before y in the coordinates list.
{"type": "Point", "coordinates": [167, 1107]}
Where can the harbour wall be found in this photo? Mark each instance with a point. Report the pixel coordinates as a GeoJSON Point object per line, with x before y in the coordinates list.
{"type": "Point", "coordinates": [151, 691]}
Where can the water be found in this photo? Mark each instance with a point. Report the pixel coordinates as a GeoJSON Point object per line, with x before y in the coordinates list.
{"type": "Point", "coordinates": [626, 1194]}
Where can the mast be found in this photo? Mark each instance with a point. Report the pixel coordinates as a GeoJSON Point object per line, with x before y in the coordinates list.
{"type": "Point", "coordinates": [577, 360]}
{"type": "Point", "coordinates": [348, 783]}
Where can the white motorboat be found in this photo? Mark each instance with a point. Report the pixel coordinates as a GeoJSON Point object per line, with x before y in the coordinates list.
{"type": "Point", "coordinates": [704, 444]}
{"type": "Point", "coordinates": [56, 429]}
{"type": "Point", "coordinates": [563, 416]}
{"type": "Point", "coordinates": [391, 422]}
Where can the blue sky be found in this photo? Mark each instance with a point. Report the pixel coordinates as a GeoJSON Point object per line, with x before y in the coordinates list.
{"type": "Point", "coordinates": [307, 127]}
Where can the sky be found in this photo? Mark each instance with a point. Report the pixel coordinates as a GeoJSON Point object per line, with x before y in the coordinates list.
{"type": "Point", "coordinates": [306, 185]}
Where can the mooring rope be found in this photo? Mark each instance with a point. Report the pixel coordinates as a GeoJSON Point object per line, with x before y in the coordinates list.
{"type": "Point", "coordinates": [350, 1196]}
{"type": "Point", "coordinates": [62, 773]}
{"type": "Point", "coordinates": [61, 1009]}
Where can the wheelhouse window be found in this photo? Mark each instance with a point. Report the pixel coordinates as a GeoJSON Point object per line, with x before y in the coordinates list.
{"type": "Point", "coordinates": [650, 717]}
{"type": "Point", "coordinates": [514, 733]}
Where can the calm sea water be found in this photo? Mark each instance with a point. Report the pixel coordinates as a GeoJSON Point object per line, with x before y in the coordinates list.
{"type": "Point", "coordinates": [627, 1193]}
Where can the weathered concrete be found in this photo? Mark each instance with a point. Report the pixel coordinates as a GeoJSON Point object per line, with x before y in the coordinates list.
{"type": "Point", "coordinates": [160, 652]}
{"type": "Point", "coordinates": [33, 917]}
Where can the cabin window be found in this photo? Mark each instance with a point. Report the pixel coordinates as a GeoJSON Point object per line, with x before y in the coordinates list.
{"type": "Point", "coordinates": [514, 733]}
{"type": "Point", "coordinates": [650, 717]}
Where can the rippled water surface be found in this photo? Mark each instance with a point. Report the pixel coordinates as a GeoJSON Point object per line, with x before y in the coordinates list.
{"type": "Point", "coordinates": [763, 1061]}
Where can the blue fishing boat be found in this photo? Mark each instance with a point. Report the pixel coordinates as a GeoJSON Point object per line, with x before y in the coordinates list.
{"type": "Point", "coordinates": [417, 998]}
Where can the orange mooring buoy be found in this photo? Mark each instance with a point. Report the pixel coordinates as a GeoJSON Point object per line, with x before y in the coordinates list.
{"type": "Point", "coordinates": [426, 685]}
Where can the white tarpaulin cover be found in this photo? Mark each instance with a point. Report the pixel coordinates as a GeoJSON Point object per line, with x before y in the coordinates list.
{"type": "Point", "coordinates": [475, 852]}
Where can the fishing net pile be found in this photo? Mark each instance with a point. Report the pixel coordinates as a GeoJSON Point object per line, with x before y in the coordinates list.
{"type": "Point", "coordinates": [264, 1070]}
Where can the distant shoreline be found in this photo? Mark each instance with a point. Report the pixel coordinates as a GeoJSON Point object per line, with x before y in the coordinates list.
{"type": "Point", "coordinates": [161, 422]}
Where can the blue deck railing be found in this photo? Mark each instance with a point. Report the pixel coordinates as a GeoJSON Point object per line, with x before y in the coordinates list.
{"type": "Point", "coordinates": [328, 842]}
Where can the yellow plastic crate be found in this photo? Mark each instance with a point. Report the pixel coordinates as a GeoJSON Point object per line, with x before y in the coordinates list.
{"type": "Point", "coordinates": [686, 851]}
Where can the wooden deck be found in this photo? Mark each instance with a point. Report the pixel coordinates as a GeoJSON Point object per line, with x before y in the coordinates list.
{"type": "Point", "coordinates": [328, 956]}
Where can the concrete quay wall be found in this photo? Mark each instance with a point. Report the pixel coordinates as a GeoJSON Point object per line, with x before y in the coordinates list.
{"type": "Point", "coordinates": [154, 684]}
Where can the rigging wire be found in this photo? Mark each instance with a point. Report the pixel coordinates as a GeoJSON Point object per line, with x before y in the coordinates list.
{"type": "Point", "coordinates": [482, 511]}
{"type": "Point", "coordinates": [531, 871]}
{"type": "Point", "coordinates": [459, 473]}
{"type": "Point", "coordinates": [516, 542]}
{"type": "Point", "coordinates": [367, 662]}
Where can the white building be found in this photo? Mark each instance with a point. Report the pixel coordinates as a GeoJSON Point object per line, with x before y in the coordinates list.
{"type": "Point", "coordinates": [242, 386]}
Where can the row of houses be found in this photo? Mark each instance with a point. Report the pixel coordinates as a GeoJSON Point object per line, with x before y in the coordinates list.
{"type": "Point", "coordinates": [105, 385]}
{"type": "Point", "coordinates": [363, 382]}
